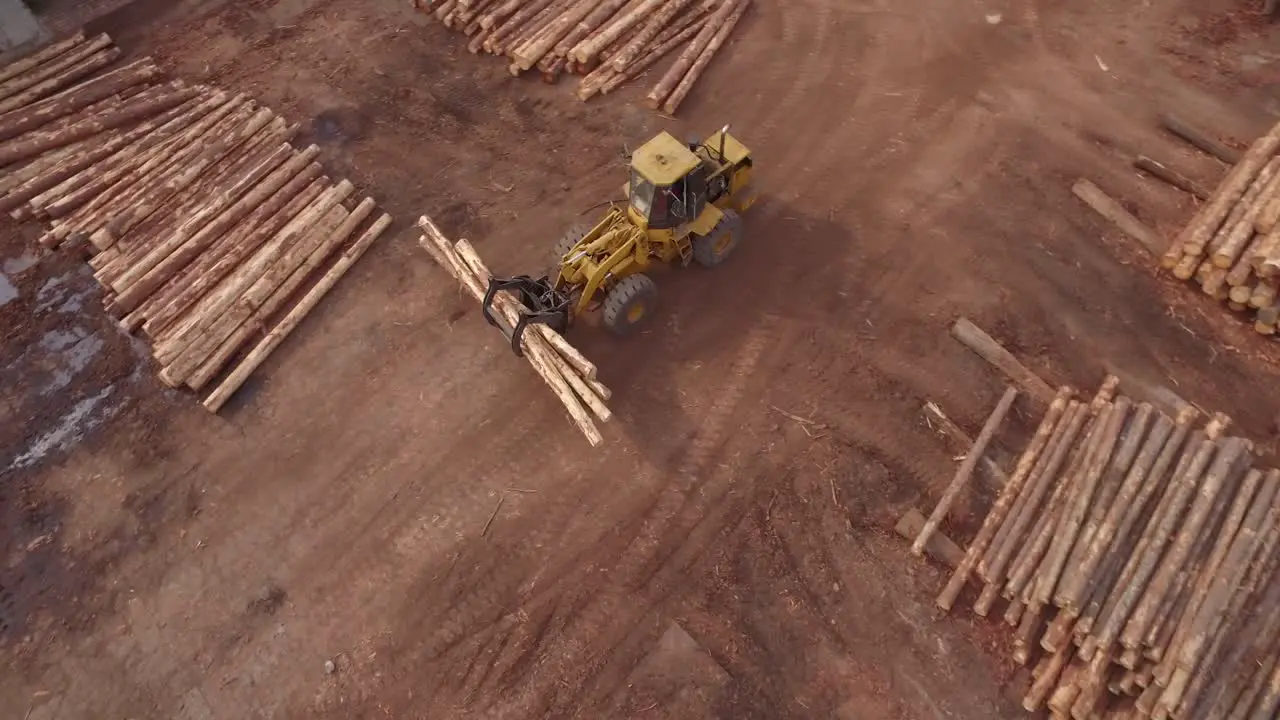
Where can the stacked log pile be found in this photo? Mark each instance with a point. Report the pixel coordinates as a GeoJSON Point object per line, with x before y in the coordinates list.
{"type": "Point", "coordinates": [1136, 557]}
{"type": "Point", "coordinates": [560, 365]}
{"type": "Point", "coordinates": [607, 42]}
{"type": "Point", "coordinates": [1231, 248]}
{"type": "Point", "coordinates": [207, 229]}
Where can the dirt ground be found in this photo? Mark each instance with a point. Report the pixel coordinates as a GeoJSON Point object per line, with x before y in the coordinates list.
{"type": "Point", "coordinates": [714, 558]}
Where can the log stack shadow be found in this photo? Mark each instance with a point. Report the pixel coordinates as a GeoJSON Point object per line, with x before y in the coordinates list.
{"type": "Point", "coordinates": [1231, 248]}
{"type": "Point", "coordinates": [207, 229]}
{"type": "Point", "coordinates": [1135, 557]}
{"type": "Point", "coordinates": [607, 42]}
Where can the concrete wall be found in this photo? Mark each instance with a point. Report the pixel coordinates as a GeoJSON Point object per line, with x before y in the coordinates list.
{"type": "Point", "coordinates": [18, 27]}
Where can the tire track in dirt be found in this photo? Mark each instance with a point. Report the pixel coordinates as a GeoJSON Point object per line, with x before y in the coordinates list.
{"type": "Point", "coordinates": [639, 559]}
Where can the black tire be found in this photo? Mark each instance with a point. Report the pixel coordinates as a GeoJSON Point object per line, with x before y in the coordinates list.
{"type": "Point", "coordinates": [715, 247]}
{"type": "Point", "coordinates": [629, 303]}
{"type": "Point", "coordinates": [566, 242]}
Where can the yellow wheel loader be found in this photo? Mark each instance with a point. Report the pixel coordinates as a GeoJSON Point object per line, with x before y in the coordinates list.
{"type": "Point", "coordinates": [683, 205]}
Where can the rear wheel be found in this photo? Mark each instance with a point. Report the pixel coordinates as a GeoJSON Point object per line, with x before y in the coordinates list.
{"type": "Point", "coordinates": [628, 303]}
{"type": "Point", "coordinates": [715, 247]}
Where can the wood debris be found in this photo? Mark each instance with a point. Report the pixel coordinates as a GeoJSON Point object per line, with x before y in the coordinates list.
{"type": "Point", "coordinates": [206, 228]}
{"type": "Point", "coordinates": [606, 42]}
{"type": "Point", "coordinates": [1136, 556]}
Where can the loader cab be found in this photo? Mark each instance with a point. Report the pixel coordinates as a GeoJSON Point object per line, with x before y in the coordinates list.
{"type": "Point", "coordinates": [668, 185]}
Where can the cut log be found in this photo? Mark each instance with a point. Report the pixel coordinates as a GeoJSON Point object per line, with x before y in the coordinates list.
{"type": "Point", "coordinates": [1111, 423]}
{"type": "Point", "coordinates": [935, 416]}
{"type": "Point", "coordinates": [238, 229]}
{"type": "Point", "coordinates": [965, 471]}
{"type": "Point", "coordinates": [521, 19]}
{"type": "Point", "coordinates": [154, 177]}
{"type": "Point", "coordinates": [591, 19]}
{"type": "Point", "coordinates": [293, 318]}
{"type": "Point", "coordinates": [699, 66]}
{"type": "Point", "coordinates": [535, 351]}
{"type": "Point", "coordinates": [1169, 175]}
{"type": "Point", "coordinates": [138, 162]}
{"type": "Point", "coordinates": [499, 13]}
{"type": "Point", "coordinates": [95, 151]}
{"type": "Point", "coordinates": [1141, 563]}
{"type": "Point", "coordinates": [13, 124]}
{"type": "Point", "coordinates": [642, 40]}
{"type": "Point", "coordinates": [131, 216]}
{"type": "Point", "coordinates": [1005, 501]}
{"type": "Point", "coordinates": [1120, 514]}
{"type": "Point", "coordinates": [1196, 236]}
{"type": "Point", "coordinates": [939, 546]}
{"type": "Point", "coordinates": [589, 49]}
{"type": "Point", "coordinates": [40, 142]}
{"type": "Point", "coordinates": [1238, 230]}
{"type": "Point", "coordinates": [181, 352]}
{"type": "Point", "coordinates": [254, 310]}
{"type": "Point", "coordinates": [676, 73]}
{"type": "Point", "coordinates": [94, 179]}
{"type": "Point", "coordinates": [1199, 138]}
{"type": "Point", "coordinates": [614, 80]}
{"type": "Point", "coordinates": [1104, 205]}
{"type": "Point", "coordinates": [977, 340]}
{"type": "Point", "coordinates": [44, 55]}
{"type": "Point", "coordinates": [69, 76]}
{"type": "Point", "coordinates": [50, 70]}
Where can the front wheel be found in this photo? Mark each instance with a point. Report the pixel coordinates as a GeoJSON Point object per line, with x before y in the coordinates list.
{"type": "Point", "coordinates": [628, 303]}
{"type": "Point", "coordinates": [715, 247]}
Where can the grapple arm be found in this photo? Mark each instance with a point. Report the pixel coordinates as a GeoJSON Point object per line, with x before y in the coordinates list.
{"type": "Point", "coordinates": [539, 302]}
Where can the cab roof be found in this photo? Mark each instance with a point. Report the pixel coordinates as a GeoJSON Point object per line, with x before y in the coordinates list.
{"type": "Point", "coordinates": [664, 160]}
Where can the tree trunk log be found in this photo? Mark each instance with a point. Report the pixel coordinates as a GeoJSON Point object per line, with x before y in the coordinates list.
{"type": "Point", "coordinates": [1011, 491]}
{"type": "Point", "coordinates": [531, 12]}
{"type": "Point", "coordinates": [639, 44]}
{"type": "Point", "coordinates": [178, 351]}
{"type": "Point", "coordinates": [243, 224]}
{"type": "Point", "coordinates": [1171, 176]}
{"type": "Point", "coordinates": [15, 123]}
{"type": "Point", "coordinates": [201, 199]}
{"type": "Point", "coordinates": [939, 546]}
{"type": "Point", "coordinates": [1236, 235]}
{"type": "Point", "coordinates": [161, 163]}
{"type": "Point", "coordinates": [1158, 566]}
{"type": "Point", "coordinates": [37, 143]}
{"type": "Point", "coordinates": [1094, 197]}
{"type": "Point", "coordinates": [1080, 576]}
{"type": "Point", "coordinates": [67, 77]}
{"type": "Point", "coordinates": [680, 68]}
{"type": "Point", "coordinates": [1230, 462]}
{"type": "Point", "coordinates": [587, 23]}
{"type": "Point", "coordinates": [250, 315]}
{"type": "Point", "coordinates": [665, 44]}
{"type": "Point", "coordinates": [536, 353]}
{"type": "Point", "coordinates": [136, 163]}
{"type": "Point", "coordinates": [934, 415]}
{"type": "Point", "coordinates": [40, 57]}
{"type": "Point", "coordinates": [293, 318]}
{"type": "Point", "coordinates": [131, 216]}
{"type": "Point", "coordinates": [1200, 231]}
{"type": "Point", "coordinates": [699, 66]}
{"type": "Point", "coordinates": [965, 471]}
{"type": "Point", "coordinates": [62, 64]}
{"type": "Point", "coordinates": [208, 270]}
{"type": "Point", "coordinates": [974, 338]}
{"type": "Point", "coordinates": [111, 168]}
{"type": "Point", "coordinates": [589, 49]}
{"type": "Point", "coordinates": [1200, 139]}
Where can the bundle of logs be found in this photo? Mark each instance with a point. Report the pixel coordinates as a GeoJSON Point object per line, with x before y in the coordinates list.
{"type": "Point", "coordinates": [1231, 248]}
{"type": "Point", "coordinates": [1136, 554]}
{"type": "Point", "coordinates": [206, 228]}
{"type": "Point", "coordinates": [608, 42]}
{"type": "Point", "coordinates": [560, 365]}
